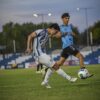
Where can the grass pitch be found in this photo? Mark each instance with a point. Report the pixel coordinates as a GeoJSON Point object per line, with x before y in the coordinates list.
{"type": "Point", "coordinates": [24, 84]}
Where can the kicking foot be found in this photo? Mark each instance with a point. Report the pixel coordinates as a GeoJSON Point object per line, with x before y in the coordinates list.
{"type": "Point", "coordinates": [46, 84]}
{"type": "Point", "coordinates": [90, 75]}
{"type": "Point", "coordinates": [43, 71]}
{"type": "Point", "coordinates": [73, 79]}
{"type": "Point", "coordinates": [38, 72]}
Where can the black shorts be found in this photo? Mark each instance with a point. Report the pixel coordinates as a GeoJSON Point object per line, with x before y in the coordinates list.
{"type": "Point", "coordinates": [70, 50]}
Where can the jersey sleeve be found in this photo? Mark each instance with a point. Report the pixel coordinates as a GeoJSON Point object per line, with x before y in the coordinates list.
{"type": "Point", "coordinates": [62, 30]}
{"type": "Point", "coordinates": [71, 31]}
{"type": "Point", "coordinates": [38, 31]}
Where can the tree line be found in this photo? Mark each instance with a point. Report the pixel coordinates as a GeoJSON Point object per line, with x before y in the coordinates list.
{"type": "Point", "coordinates": [19, 33]}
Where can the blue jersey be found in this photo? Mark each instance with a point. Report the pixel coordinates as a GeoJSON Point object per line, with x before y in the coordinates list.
{"type": "Point", "coordinates": [67, 38]}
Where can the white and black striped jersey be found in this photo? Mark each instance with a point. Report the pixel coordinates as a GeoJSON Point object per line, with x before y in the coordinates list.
{"type": "Point", "coordinates": [40, 41]}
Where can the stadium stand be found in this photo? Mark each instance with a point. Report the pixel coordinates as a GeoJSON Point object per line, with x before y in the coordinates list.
{"type": "Point", "coordinates": [90, 57]}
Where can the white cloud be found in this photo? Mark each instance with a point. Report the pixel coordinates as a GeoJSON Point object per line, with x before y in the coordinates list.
{"type": "Point", "coordinates": [22, 10]}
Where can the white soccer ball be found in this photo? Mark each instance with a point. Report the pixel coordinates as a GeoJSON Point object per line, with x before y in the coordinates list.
{"type": "Point", "coordinates": [83, 73]}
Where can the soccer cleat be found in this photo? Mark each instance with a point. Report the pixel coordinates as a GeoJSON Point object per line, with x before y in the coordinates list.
{"type": "Point", "coordinates": [73, 79]}
{"type": "Point", "coordinates": [43, 71]}
{"type": "Point", "coordinates": [90, 75]}
{"type": "Point", "coordinates": [46, 85]}
{"type": "Point", "coordinates": [38, 72]}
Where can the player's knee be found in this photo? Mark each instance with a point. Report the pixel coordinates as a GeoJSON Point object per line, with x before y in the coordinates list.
{"type": "Point", "coordinates": [56, 66]}
{"type": "Point", "coordinates": [81, 57]}
{"type": "Point", "coordinates": [59, 63]}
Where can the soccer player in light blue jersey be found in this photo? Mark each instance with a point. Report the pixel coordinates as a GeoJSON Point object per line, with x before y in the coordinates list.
{"type": "Point", "coordinates": [67, 43]}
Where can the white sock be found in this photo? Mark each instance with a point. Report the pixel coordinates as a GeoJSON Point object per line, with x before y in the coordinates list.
{"type": "Point", "coordinates": [63, 74]}
{"type": "Point", "coordinates": [48, 74]}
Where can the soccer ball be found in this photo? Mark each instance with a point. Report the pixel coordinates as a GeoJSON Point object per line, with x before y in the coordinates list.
{"type": "Point", "coordinates": [83, 73]}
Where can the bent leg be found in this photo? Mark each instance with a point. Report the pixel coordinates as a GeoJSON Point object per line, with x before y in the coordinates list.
{"type": "Point", "coordinates": [81, 59]}
{"type": "Point", "coordinates": [61, 61]}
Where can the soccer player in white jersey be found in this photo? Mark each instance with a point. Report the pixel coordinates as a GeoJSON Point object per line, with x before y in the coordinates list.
{"type": "Point", "coordinates": [41, 37]}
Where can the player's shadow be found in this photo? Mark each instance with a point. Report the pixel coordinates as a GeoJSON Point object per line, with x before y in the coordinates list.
{"type": "Point", "coordinates": [82, 84]}
{"type": "Point", "coordinates": [86, 84]}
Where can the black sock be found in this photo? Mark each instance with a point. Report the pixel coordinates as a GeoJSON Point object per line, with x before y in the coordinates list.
{"type": "Point", "coordinates": [83, 68]}
{"type": "Point", "coordinates": [38, 67]}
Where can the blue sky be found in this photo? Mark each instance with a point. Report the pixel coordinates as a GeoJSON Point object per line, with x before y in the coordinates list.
{"type": "Point", "coordinates": [21, 11]}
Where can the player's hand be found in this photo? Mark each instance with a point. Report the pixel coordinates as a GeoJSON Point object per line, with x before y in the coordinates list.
{"type": "Point", "coordinates": [28, 51]}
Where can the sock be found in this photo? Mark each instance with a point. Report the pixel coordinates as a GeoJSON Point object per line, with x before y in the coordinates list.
{"type": "Point", "coordinates": [38, 67]}
{"type": "Point", "coordinates": [63, 74]}
{"type": "Point", "coordinates": [47, 75]}
{"type": "Point", "coordinates": [82, 67]}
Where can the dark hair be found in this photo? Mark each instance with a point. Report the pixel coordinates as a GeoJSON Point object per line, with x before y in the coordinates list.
{"type": "Point", "coordinates": [55, 26]}
{"type": "Point", "coordinates": [65, 15]}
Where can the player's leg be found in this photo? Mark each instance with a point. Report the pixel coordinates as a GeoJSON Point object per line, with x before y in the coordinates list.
{"type": "Point", "coordinates": [51, 64]}
{"type": "Point", "coordinates": [41, 65]}
{"type": "Point", "coordinates": [82, 66]}
{"type": "Point", "coordinates": [61, 61]}
{"type": "Point", "coordinates": [45, 60]}
{"type": "Point", "coordinates": [81, 59]}
{"type": "Point", "coordinates": [64, 56]}
{"type": "Point", "coordinates": [38, 68]}
{"type": "Point", "coordinates": [57, 68]}
{"type": "Point", "coordinates": [73, 51]}
{"type": "Point", "coordinates": [62, 73]}
{"type": "Point", "coordinates": [47, 75]}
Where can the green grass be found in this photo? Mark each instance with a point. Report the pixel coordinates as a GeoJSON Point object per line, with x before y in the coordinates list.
{"type": "Point", "coordinates": [24, 84]}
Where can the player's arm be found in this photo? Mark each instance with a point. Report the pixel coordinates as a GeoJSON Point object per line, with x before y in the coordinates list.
{"type": "Point", "coordinates": [74, 34]}
{"type": "Point", "coordinates": [31, 45]}
{"type": "Point", "coordinates": [29, 42]}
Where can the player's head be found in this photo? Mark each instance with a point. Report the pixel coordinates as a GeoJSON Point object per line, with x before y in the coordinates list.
{"type": "Point", "coordinates": [65, 18]}
{"type": "Point", "coordinates": [53, 29]}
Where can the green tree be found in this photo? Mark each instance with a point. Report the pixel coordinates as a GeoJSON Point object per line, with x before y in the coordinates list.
{"type": "Point", "coordinates": [95, 29]}
{"type": "Point", "coordinates": [76, 31]}
{"type": "Point", "coordinates": [20, 32]}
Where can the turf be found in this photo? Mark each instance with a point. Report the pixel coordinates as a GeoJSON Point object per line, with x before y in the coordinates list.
{"type": "Point", "coordinates": [24, 84]}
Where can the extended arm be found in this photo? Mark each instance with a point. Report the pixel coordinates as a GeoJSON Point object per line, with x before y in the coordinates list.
{"type": "Point", "coordinates": [29, 42]}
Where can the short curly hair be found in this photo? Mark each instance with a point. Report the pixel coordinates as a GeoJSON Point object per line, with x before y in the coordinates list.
{"type": "Point", "coordinates": [55, 26]}
{"type": "Point", "coordinates": [65, 15]}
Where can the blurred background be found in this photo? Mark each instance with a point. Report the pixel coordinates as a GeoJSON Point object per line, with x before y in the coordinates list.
{"type": "Point", "coordinates": [18, 18]}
